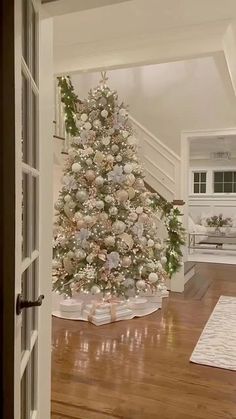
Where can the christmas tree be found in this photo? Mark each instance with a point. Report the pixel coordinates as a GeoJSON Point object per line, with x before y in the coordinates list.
{"type": "Point", "coordinates": [106, 237]}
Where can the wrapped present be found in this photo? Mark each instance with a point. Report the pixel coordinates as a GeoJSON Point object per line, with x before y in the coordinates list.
{"type": "Point", "coordinates": [71, 305]}
{"type": "Point", "coordinates": [102, 312]}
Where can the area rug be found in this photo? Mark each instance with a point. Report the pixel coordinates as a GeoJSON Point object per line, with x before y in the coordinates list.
{"type": "Point", "coordinates": [217, 344]}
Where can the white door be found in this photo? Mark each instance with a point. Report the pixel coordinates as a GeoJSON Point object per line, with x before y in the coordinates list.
{"type": "Point", "coordinates": [33, 211]}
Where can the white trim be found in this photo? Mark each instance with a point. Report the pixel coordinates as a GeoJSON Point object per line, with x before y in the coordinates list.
{"type": "Point", "coordinates": [157, 167]}
{"type": "Point", "coordinates": [29, 260]}
{"type": "Point", "coordinates": [159, 181]}
{"type": "Point", "coordinates": [27, 353]}
{"type": "Point", "coordinates": [25, 70]}
{"type": "Point", "coordinates": [144, 129]}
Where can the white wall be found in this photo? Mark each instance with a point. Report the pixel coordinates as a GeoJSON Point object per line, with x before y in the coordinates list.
{"type": "Point", "coordinates": [171, 97]}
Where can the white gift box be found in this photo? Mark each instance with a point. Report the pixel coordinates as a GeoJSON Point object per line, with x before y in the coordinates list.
{"type": "Point", "coordinates": [97, 311]}
{"type": "Point", "coordinates": [70, 305]}
{"type": "Point", "coordinates": [99, 319]}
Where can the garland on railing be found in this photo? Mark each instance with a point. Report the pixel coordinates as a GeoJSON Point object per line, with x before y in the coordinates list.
{"type": "Point", "coordinates": [170, 214]}
{"type": "Point", "coordinates": [175, 230]}
{"type": "Point", "coordinates": [69, 99]}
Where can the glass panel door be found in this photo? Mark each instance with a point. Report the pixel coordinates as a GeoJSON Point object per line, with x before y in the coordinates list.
{"type": "Point", "coordinates": [29, 209]}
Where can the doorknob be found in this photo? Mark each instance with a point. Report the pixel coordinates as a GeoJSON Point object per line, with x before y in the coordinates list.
{"type": "Point", "coordinates": [21, 303]}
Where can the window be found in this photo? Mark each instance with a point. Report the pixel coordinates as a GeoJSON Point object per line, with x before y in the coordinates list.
{"type": "Point", "coordinates": [224, 182]}
{"type": "Point", "coordinates": [199, 182]}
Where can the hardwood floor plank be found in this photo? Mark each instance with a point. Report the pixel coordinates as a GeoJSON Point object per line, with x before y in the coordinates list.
{"type": "Point", "coordinates": [140, 369]}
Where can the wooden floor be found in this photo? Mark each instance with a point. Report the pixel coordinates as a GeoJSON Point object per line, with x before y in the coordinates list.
{"type": "Point", "coordinates": [139, 369]}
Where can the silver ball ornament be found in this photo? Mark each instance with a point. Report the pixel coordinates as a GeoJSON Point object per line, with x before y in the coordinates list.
{"type": "Point", "coordinates": [76, 167]}
{"type": "Point", "coordinates": [153, 277]}
{"type": "Point", "coordinates": [141, 284]}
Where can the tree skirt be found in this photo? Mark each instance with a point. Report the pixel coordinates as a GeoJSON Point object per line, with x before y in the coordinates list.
{"type": "Point", "coordinates": [98, 311]}
{"type": "Point", "coordinates": [217, 344]}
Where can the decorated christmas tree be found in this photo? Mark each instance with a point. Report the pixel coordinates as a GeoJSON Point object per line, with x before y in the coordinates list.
{"type": "Point", "coordinates": [106, 238]}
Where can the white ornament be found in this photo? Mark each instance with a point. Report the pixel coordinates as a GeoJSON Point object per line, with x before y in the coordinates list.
{"type": "Point", "coordinates": [133, 216]}
{"type": "Point", "coordinates": [95, 290]}
{"type": "Point", "coordinates": [97, 123]}
{"type": "Point", "coordinates": [139, 184]}
{"type": "Point", "coordinates": [128, 282]}
{"type": "Point", "coordinates": [131, 193]}
{"type": "Point", "coordinates": [139, 210]}
{"type": "Point", "coordinates": [99, 205]}
{"type": "Point", "coordinates": [130, 179]}
{"type": "Point", "coordinates": [99, 180]}
{"type": "Point", "coordinates": [70, 254]}
{"type": "Point", "coordinates": [163, 260]}
{"type": "Point", "coordinates": [89, 162]}
{"type": "Point", "coordinates": [125, 134]}
{"type": "Point", "coordinates": [110, 158]}
{"type": "Point", "coordinates": [128, 168]}
{"type": "Point", "coordinates": [90, 258]}
{"type": "Point", "coordinates": [98, 158]}
{"type": "Point", "coordinates": [150, 243]}
{"type": "Point", "coordinates": [109, 241]}
{"type": "Point", "coordinates": [90, 175]}
{"type": "Point", "coordinates": [109, 199]}
{"type": "Point", "coordinates": [76, 167]}
{"type": "Point", "coordinates": [84, 117]}
{"type": "Point", "coordinates": [104, 113]}
{"type": "Point", "coordinates": [78, 216]}
{"type": "Point", "coordinates": [122, 112]}
{"type": "Point", "coordinates": [153, 277]}
{"type": "Point", "coordinates": [80, 254]}
{"type": "Point", "coordinates": [67, 198]}
{"type": "Point", "coordinates": [106, 140]}
{"type": "Point", "coordinates": [80, 223]}
{"type": "Point", "coordinates": [141, 284]}
{"type": "Point", "coordinates": [119, 158]}
{"type": "Point", "coordinates": [87, 126]}
{"type": "Point", "coordinates": [113, 211]}
{"type": "Point", "coordinates": [81, 196]}
{"type": "Point", "coordinates": [126, 261]}
{"type": "Point", "coordinates": [58, 205]}
{"type": "Point", "coordinates": [115, 148]}
{"type": "Point", "coordinates": [119, 227]}
{"type": "Point", "coordinates": [103, 216]}
{"type": "Point", "coordinates": [122, 195]}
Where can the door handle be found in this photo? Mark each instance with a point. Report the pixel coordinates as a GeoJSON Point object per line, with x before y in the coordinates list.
{"type": "Point", "coordinates": [21, 303]}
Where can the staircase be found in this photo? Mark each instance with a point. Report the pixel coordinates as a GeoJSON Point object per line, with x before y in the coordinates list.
{"type": "Point", "coordinates": [162, 165]}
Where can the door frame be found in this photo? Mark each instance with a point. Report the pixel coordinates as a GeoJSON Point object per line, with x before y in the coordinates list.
{"type": "Point", "coordinates": [186, 138]}
{"type": "Point", "coordinates": [7, 209]}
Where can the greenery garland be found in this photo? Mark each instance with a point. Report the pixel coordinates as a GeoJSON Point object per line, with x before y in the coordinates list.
{"type": "Point", "coordinates": [175, 230]}
{"type": "Point", "coordinates": [169, 213]}
{"type": "Point", "coordinates": [69, 99]}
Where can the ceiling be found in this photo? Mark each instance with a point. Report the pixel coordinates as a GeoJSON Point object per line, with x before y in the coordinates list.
{"type": "Point", "coordinates": [62, 7]}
